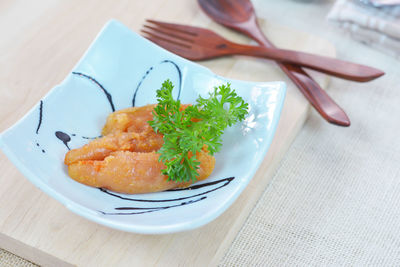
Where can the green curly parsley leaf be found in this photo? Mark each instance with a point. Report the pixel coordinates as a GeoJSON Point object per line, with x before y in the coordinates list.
{"type": "Point", "coordinates": [187, 130]}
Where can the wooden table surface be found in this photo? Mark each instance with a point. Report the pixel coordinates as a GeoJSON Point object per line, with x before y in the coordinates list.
{"type": "Point", "coordinates": [41, 42]}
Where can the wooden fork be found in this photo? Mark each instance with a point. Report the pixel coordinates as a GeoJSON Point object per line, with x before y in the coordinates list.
{"type": "Point", "coordinates": [196, 43]}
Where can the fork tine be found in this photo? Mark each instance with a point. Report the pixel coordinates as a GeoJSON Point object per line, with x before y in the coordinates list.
{"type": "Point", "coordinates": [166, 38]}
{"type": "Point", "coordinates": [170, 33]}
{"type": "Point", "coordinates": [176, 49]}
{"type": "Point", "coordinates": [190, 30]}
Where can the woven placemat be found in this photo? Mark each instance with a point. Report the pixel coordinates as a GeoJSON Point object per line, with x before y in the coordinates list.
{"type": "Point", "coordinates": [335, 198]}
{"type": "Point", "coordinates": [8, 259]}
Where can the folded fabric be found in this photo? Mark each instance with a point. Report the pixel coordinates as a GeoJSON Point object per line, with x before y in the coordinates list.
{"type": "Point", "coordinates": [377, 27]}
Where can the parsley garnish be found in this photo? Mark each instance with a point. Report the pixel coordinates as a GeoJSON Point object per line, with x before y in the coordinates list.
{"type": "Point", "coordinates": [187, 130]}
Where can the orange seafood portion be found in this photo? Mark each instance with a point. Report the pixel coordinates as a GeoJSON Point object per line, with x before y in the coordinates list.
{"type": "Point", "coordinates": [125, 159]}
{"type": "Point", "coordinates": [125, 130]}
{"type": "Point", "coordinates": [130, 120]}
{"type": "Point", "coordinates": [100, 148]}
{"type": "Point", "coordinates": [132, 172]}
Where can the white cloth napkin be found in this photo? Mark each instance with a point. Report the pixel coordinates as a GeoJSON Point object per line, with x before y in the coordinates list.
{"type": "Point", "coordinates": [376, 27]}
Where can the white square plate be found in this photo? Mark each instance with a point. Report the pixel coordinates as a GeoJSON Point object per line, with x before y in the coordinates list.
{"type": "Point", "coordinates": [121, 69]}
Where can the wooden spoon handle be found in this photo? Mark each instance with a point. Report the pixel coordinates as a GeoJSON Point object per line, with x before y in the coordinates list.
{"type": "Point", "coordinates": [332, 66]}
{"type": "Point", "coordinates": [318, 98]}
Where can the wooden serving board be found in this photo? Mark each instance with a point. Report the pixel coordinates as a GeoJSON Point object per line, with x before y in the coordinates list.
{"type": "Point", "coordinates": [41, 42]}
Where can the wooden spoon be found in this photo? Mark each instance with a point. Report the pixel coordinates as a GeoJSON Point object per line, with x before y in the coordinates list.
{"type": "Point", "coordinates": [239, 15]}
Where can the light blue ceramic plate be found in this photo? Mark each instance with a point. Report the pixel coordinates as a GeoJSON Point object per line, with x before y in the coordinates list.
{"type": "Point", "coordinates": [119, 70]}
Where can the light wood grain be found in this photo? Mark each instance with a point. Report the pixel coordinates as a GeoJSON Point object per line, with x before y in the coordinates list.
{"type": "Point", "coordinates": [45, 41]}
